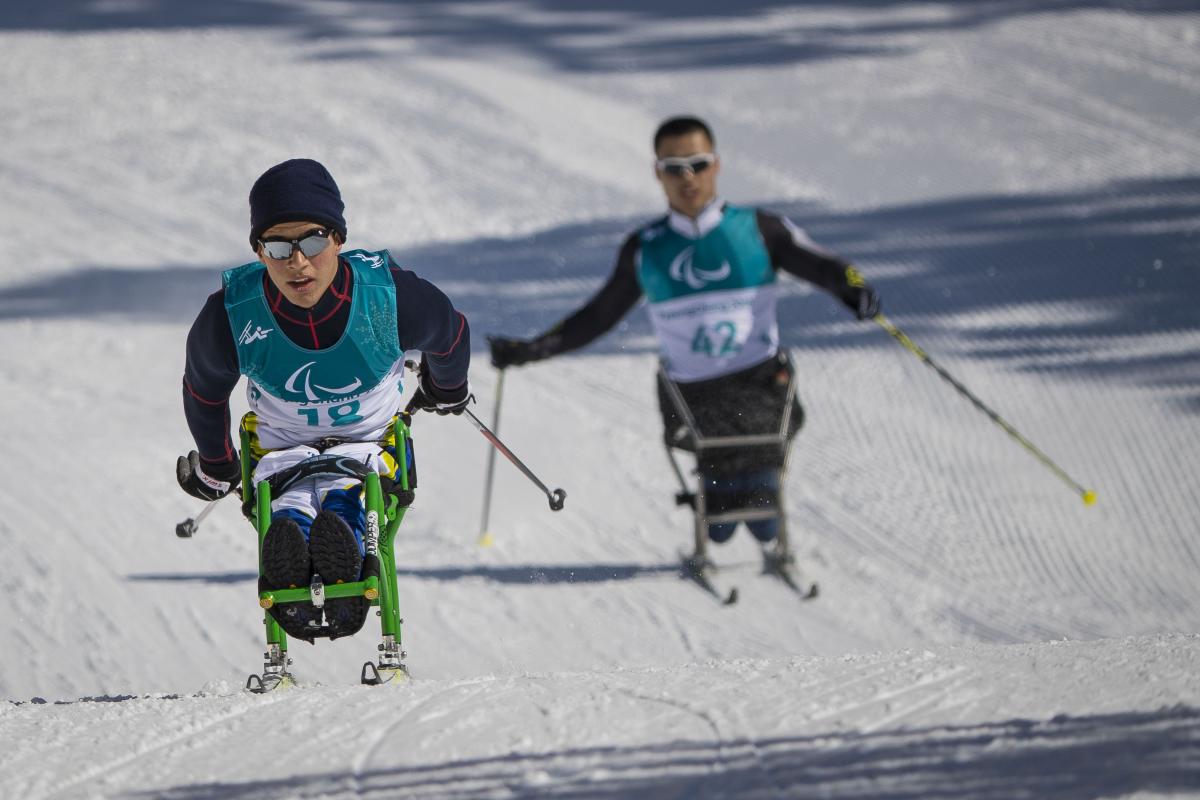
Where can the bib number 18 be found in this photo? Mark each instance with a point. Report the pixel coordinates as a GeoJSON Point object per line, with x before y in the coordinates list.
{"type": "Point", "coordinates": [344, 414]}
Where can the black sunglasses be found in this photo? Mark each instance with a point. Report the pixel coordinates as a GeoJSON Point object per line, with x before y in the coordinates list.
{"type": "Point", "coordinates": [678, 166]}
{"type": "Point", "coordinates": [311, 243]}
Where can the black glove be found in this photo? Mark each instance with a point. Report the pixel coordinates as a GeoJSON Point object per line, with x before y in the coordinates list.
{"type": "Point", "coordinates": [512, 352]}
{"type": "Point", "coordinates": [858, 296]}
{"type": "Point", "coordinates": [210, 482]}
{"type": "Point", "coordinates": [430, 397]}
{"type": "Point", "coordinates": [391, 488]}
{"type": "Point", "coordinates": [863, 301]}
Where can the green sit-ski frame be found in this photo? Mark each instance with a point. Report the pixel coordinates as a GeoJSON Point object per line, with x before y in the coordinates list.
{"type": "Point", "coordinates": [382, 523]}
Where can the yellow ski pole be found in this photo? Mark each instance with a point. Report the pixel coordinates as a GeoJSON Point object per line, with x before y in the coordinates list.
{"type": "Point", "coordinates": [1088, 496]}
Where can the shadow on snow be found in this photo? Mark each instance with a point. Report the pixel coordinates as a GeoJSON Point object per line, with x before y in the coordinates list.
{"type": "Point", "coordinates": [1106, 755]}
{"type": "Point", "coordinates": [593, 36]}
{"type": "Point", "coordinates": [1093, 270]}
{"type": "Point", "coordinates": [515, 574]}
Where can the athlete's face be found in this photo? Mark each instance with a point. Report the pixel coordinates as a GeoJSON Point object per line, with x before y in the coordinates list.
{"type": "Point", "coordinates": [689, 192]}
{"type": "Point", "coordinates": [302, 279]}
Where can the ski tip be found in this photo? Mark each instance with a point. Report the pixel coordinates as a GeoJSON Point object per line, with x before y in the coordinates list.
{"type": "Point", "coordinates": [384, 676]}
{"type": "Point", "coordinates": [257, 685]}
{"type": "Point", "coordinates": [1089, 498]}
{"type": "Point", "coordinates": [486, 540]}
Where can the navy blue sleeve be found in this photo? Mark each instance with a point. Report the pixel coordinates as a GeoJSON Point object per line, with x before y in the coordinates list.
{"type": "Point", "coordinates": [210, 374]}
{"type": "Point", "coordinates": [427, 321]}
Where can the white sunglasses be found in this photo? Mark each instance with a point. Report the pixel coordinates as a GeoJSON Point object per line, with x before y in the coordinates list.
{"type": "Point", "coordinates": [678, 166]}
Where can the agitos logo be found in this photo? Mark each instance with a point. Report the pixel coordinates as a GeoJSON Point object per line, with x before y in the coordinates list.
{"type": "Point", "coordinates": [684, 269]}
{"type": "Point", "coordinates": [305, 372]}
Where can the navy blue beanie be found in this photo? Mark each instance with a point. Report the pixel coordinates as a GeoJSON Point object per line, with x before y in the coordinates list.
{"type": "Point", "coordinates": [299, 190]}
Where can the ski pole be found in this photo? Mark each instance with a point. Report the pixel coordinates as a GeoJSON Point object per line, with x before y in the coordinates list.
{"type": "Point", "coordinates": [189, 526]}
{"type": "Point", "coordinates": [485, 536]}
{"type": "Point", "coordinates": [556, 497]}
{"type": "Point", "coordinates": [1088, 496]}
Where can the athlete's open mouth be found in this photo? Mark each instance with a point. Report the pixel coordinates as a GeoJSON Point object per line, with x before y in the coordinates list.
{"type": "Point", "coordinates": [300, 283]}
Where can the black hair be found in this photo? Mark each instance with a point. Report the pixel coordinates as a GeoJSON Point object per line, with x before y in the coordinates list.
{"type": "Point", "coordinates": [681, 126]}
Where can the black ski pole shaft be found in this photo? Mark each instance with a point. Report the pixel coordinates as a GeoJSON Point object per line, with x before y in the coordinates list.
{"type": "Point", "coordinates": [485, 536]}
{"type": "Point", "coordinates": [1088, 496]}
{"type": "Point", "coordinates": [555, 497]}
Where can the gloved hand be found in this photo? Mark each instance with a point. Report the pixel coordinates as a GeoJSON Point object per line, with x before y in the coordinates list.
{"type": "Point", "coordinates": [863, 301]}
{"type": "Point", "coordinates": [391, 488]}
{"type": "Point", "coordinates": [859, 297]}
{"type": "Point", "coordinates": [512, 352]}
{"type": "Point", "coordinates": [210, 482]}
{"type": "Point", "coordinates": [430, 397]}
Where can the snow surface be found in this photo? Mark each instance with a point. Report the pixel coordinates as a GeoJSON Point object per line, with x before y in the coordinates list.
{"type": "Point", "coordinates": [1020, 180]}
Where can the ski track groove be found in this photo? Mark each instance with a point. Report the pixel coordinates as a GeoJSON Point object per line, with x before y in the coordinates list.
{"type": "Point", "coordinates": [672, 622]}
{"type": "Point", "coordinates": [1060, 105]}
{"type": "Point", "coordinates": [119, 764]}
{"type": "Point", "coordinates": [1037, 554]}
{"type": "Point", "coordinates": [920, 704]}
{"type": "Point", "coordinates": [1102, 583]}
{"type": "Point", "coordinates": [721, 741]}
{"type": "Point", "coordinates": [830, 687]}
{"type": "Point", "coordinates": [1107, 51]}
{"type": "Point", "coordinates": [884, 697]}
{"type": "Point", "coordinates": [873, 544]}
{"type": "Point", "coordinates": [1103, 117]}
{"type": "Point", "coordinates": [364, 759]}
{"type": "Point", "coordinates": [1076, 574]}
{"type": "Point", "coordinates": [1162, 473]}
{"type": "Point", "coordinates": [1160, 532]}
{"type": "Point", "coordinates": [1066, 569]}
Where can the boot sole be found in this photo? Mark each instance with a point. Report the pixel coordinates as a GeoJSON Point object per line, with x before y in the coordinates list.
{"type": "Point", "coordinates": [336, 559]}
{"type": "Point", "coordinates": [285, 555]}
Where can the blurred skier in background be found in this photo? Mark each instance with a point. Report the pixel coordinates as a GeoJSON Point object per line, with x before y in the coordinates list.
{"type": "Point", "coordinates": [708, 271]}
{"type": "Point", "coordinates": [320, 334]}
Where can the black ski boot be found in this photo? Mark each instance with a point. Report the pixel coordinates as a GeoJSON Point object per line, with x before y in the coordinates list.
{"type": "Point", "coordinates": [336, 558]}
{"type": "Point", "coordinates": [286, 565]}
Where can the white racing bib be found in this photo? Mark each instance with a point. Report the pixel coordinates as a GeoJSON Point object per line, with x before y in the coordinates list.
{"type": "Point", "coordinates": [709, 334]}
{"type": "Point", "coordinates": [362, 417]}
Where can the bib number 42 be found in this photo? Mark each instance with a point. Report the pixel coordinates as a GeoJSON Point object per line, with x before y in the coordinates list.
{"type": "Point", "coordinates": [716, 340]}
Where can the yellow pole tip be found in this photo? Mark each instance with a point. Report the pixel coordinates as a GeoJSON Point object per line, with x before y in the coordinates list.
{"type": "Point", "coordinates": [1089, 498]}
{"type": "Point", "coordinates": [486, 540]}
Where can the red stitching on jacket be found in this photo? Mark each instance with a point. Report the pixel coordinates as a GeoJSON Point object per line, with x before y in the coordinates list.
{"type": "Point", "coordinates": [204, 400]}
{"type": "Point", "coordinates": [462, 324]}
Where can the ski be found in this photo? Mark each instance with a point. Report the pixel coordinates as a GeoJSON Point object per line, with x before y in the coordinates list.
{"type": "Point", "coordinates": [390, 669]}
{"type": "Point", "coordinates": [373, 675]}
{"type": "Point", "coordinates": [699, 572]}
{"type": "Point", "coordinates": [256, 684]}
{"type": "Point", "coordinates": [806, 591]}
{"type": "Point", "coordinates": [784, 568]}
{"type": "Point", "coordinates": [275, 673]}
